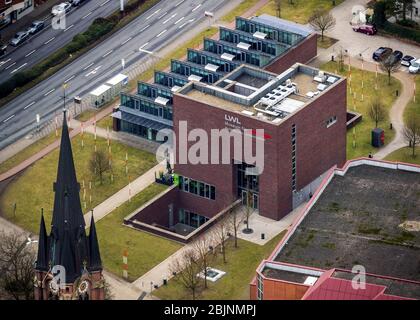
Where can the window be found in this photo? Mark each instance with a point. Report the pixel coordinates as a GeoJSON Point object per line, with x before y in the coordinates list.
{"type": "Point", "coordinates": [294, 157]}
{"type": "Point", "coordinates": [197, 187]}
{"type": "Point", "coordinates": [331, 121]}
{"type": "Point", "coordinates": [260, 288]}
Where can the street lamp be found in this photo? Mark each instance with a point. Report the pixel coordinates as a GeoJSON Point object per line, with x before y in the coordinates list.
{"type": "Point", "coordinates": [209, 15]}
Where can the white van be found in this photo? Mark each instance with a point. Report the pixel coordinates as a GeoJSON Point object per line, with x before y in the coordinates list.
{"type": "Point", "coordinates": [415, 66]}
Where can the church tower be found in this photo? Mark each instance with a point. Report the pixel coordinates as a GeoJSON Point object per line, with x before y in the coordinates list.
{"type": "Point", "coordinates": [69, 263]}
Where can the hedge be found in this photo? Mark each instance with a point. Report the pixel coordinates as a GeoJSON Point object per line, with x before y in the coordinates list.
{"type": "Point", "coordinates": [401, 31]}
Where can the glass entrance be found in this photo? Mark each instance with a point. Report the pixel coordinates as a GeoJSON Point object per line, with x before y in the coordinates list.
{"type": "Point", "coordinates": [251, 199]}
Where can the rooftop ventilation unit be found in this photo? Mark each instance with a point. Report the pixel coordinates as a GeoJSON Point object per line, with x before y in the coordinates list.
{"type": "Point", "coordinates": [211, 67]}
{"type": "Point", "coordinates": [243, 45]}
{"type": "Point", "coordinates": [162, 101]}
{"type": "Point", "coordinates": [227, 56]}
{"type": "Point", "coordinates": [194, 77]}
{"type": "Point", "coordinates": [260, 35]}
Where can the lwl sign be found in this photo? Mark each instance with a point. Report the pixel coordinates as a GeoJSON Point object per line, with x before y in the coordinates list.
{"type": "Point", "coordinates": [232, 121]}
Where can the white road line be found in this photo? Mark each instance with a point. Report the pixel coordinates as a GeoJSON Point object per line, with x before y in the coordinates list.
{"type": "Point", "coordinates": [152, 14]}
{"type": "Point", "coordinates": [179, 20]}
{"type": "Point", "coordinates": [172, 16]}
{"type": "Point", "coordinates": [144, 45]}
{"type": "Point", "coordinates": [104, 3]}
{"type": "Point", "coordinates": [31, 104]}
{"type": "Point", "coordinates": [87, 67]}
{"type": "Point", "coordinates": [162, 15]}
{"type": "Point", "coordinates": [182, 25]}
{"type": "Point", "coordinates": [196, 8]}
{"type": "Point", "coordinates": [30, 53]}
{"type": "Point", "coordinates": [18, 68]}
{"type": "Point", "coordinates": [161, 33]}
{"type": "Point", "coordinates": [126, 41]}
{"type": "Point", "coordinates": [8, 118]}
{"type": "Point", "coordinates": [179, 3]}
{"type": "Point", "coordinates": [87, 15]}
{"type": "Point", "coordinates": [145, 28]}
{"type": "Point", "coordinates": [49, 40]}
{"type": "Point", "coordinates": [108, 53]}
{"type": "Point", "coordinates": [97, 68]}
{"type": "Point", "coordinates": [72, 77]}
{"type": "Point", "coordinates": [68, 28]}
{"type": "Point", "coordinates": [4, 62]}
{"type": "Point", "coordinates": [9, 66]}
{"type": "Point", "coordinates": [46, 94]}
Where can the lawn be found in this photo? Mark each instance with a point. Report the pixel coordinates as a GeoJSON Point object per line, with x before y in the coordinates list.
{"type": "Point", "coordinates": [326, 43]}
{"type": "Point", "coordinates": [413, 108]}
{"type": "Point", "coordinates": [240, 269]}
{"type": "Point", "coordinates": [144, 250]}
{"type": "Point", "coordinates": [300, 11]}
{"type": "Point", "coordinates": [239, 10]}
{"type": "Point", "coordinates": [105, 122]}
{"type": "Point", "coordinates": [361, 144]}
{"type": "Point", "coordinates": [87, 114]}
{"type": "Point", "coordinates": [33, 189]}
{"type": "Point", "coordinates": [405, 155]}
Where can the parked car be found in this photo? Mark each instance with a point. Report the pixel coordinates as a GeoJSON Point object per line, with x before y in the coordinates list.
{"type": "Point", "coordinates": [36, 26]}
{"type": "Point", "coordinates": [407, 60]}
{"type": "Point", "coordinates": [76, 3]}
{"type": "Point", "coordinates": [415, 66]}
{"type": "Point", "coordinates": [19, 38]}
{"type": "Point", "coordinates": [366, 29]}
{"type": "Point", "coordinates": [396, 55]}
{"type": "Point", "coordinates": [2, 49]}
{"type": "Point", "coordinates": [61, 8]}
{"type": "Point", "coordinates": [381, 53]}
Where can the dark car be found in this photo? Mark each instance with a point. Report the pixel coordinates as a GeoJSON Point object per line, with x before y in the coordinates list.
{"type": "Point", "coordinates": [36, 26]}
{"type": "Point", "coordinates": [2, 49]}
{"type": "Point", "coordinates": [366, 29]}
{"type": "Point", "coordinates": [407, 60]}
{"type": "Point", "coordinates": [396, 55]}
{"type": "Point", "coordinates": [76, 3]}
{"type": "Point", "coordinates": [381, 53]}
{"type": "Point", "coordinates": [19, 38]}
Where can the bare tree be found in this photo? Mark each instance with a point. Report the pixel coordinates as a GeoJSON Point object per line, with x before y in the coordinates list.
{"type": "Point", "coordinates": [187, 267]}
{"type": "Point", "coordinates": [235, 218]}
{"type": "Point", "coordinates": [322, 20]}
{"type": "Point", "coordinates": [277, 5]}
{"type": "Point", "coordinates": [377, 111]}
{"type": "Point", "coordinates": [389, 66]}
{"type": "Point", "coordinates": [412, 133]}
{"type": "Point", "coordinates": [221, 234]}
{"type": "Point", "coordinates": [202, 248]}
{"type": "Point", "coordinates": [17, 260]}
{"type": "Point", "coordinates": [99, 164]}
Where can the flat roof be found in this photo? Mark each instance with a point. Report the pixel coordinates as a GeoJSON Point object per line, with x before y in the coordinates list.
{"type": "Point", "coordinates": [117, 79]}
{"type": "Point", "coordinates": [100, 90]}
{"type": "Point", "coordinates": [360, 219]}
{"type": "Point", "coordinates": [282, 24]}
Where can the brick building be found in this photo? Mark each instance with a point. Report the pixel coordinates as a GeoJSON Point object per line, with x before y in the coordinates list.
{"type": "Point", "coordinates": [13, 10]}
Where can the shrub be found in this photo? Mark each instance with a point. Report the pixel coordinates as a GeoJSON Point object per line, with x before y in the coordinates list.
{"type": "Point", "coordinates": [403, 32]}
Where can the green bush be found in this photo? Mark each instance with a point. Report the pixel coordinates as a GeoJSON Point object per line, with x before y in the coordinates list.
{"type": "Point", "coordinates": [403, 32]}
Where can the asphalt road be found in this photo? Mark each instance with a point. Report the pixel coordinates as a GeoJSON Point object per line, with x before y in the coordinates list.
{"type": "Point", "coordinates": [149, 32]}
{"type": "Point", "coordinates": [41, 45]}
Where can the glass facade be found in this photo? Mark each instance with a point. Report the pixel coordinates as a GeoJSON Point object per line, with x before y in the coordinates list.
{"type": "Point", "coordinates": [203, 59]}
{"type": "Point", "coordinates": [138, 130]}
{"type": "Point", "coordinates": [153, 91]}
{"type": "Point", "coordinates": [294, 157]}
{"type": "Point", "coordinates": [197, 187]}
{"type": "Point", "coordinates": [186, 69]}
{"type": "Point", "coordinates": [191, 219]}
{"type": "Point", "coordinates": [146, 106]}
{"type": "Point", "coordinates": [169, 80]}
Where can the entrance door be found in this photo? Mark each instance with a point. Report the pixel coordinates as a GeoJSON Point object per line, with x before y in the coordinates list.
{"type": "Point", "coordinates": [253, 198]}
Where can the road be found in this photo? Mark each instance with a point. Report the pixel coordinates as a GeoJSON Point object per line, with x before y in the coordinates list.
{"type": "Point", "coordinates": [48, 40]}
{"type": "Point", "coordinates": [151, 31]}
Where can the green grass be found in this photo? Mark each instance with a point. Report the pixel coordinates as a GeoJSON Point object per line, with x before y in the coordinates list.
{"type": "Point", "coordinates": [144, 250]}
{"type": "Point", "coordinates": [105, 122]}
{"type": "Point", "coordinates": [413, 108]}
{"type": "Point", "coordinates": [86, 115]}
{"type": "Point", "coordinates": [326, 43]}
{"type": "Point", "coordinates": [239, 10]}
{"type": "Point", "coordinates": [300, 11]}
{"type": "Point", "coordinates": [362, 131]}
{"type": "Point", "coordinates": [240, 269]}
{"type": "Point", "coordinates": [33, 189]}
{"type": "Point", "coordinates": [405, 155]}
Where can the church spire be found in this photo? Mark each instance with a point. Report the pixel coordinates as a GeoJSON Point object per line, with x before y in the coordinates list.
{"type": "Point", "coordinates": [42, 257]}
{"type": "Point", "coordinates": [95, 263]}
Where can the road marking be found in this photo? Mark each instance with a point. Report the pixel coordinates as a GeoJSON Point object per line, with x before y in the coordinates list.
{"type": "Point", "coordinates": [101, 5]}
{"type": "Point", "coordinates": [126, 41]}
{"type": "Point", "coordinates": [46, 94]}
{"type": "Point", "coordinates": [72, 77]}
{"type": "Point", "coordinates": [10, 65]}
{"type": "Point", "coordinates": [87, 15]}
{"type": "Point", "coordinates": [162, 15]}
{"type": "Point", "coordinates": [3, 62]}
{"type": "Point", "coordinates": [18, 68]}
{"type": "Point", "coordinates": [144, 50]}
{"type": "Point", "coordinates": [108, 53]}
{"type": "Point", "coordinates": [144, 45]}
{"type": "Point", "coordinates": [145, 28]}
{"type": "Point", "coordinates": [69, 28]}
{"type": "Point", "coordinates": [172, 16]}
{"type": "Point", "coordinates": [196, 8]}
{"type": "Point", "coordinates": [30, 53]}
{"type": "Point", "coordinates": [161, 33]}
{"type": "Point", "coordinates": [87, 67]}
{"type": "Point", "coordinates": [179, 3]}
{"type": "Point", "coordinates": [31, 104]}
{"type": "Point", "coordinates": [8, 118]}
{"type": "Point", "coordinates": [179, 20]}
{"type": "Point", "coordinates": [152, 14]}
{"type": "Point", "coordinates": [93, 71]}
{"type": "Point", "coordinates": [49, 40]}
{"type": "Point", "coordinates": [182, 25]}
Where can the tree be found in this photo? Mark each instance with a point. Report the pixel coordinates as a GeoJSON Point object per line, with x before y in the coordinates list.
{"type": "Point", "coordinates": [277, 5]}
{"type": "Point", "coordinates": [411, 133]}
{"type": "Point", "coordinates": [221, 234]}
{"type": "Point", "coordinates": [17, 260]}
{"type": "Point", "coordinates": [235, 218]}
{"type": "Point", "coordinates": [322, 20]}
{"type": "Point", "coordinates": [186, 267]}
{"type": "Point", "coordinates": [99, 164]}
{"type": "Point", "coordinates": [202, 250]}
{"type": "Point", "coordinates": [377, 111]}
{"type": "Point", "coordinates": [379, 14]}
{"type": "Point", "coordinates": [389, 66]}
{"type": "Point", "coordinates": [404, 6]}
{"type": "Point", "coordinates": [248, 205]}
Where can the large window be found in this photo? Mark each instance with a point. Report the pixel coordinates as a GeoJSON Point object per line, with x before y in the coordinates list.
{"type": "Point", "coordinates": [191, 219]}
{"type": "Point", "coordinates": [294, 157]}
{"type": "Point", "coordinates": [198, 188]}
